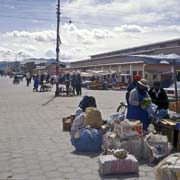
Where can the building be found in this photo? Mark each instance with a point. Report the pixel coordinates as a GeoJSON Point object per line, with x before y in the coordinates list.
{"type": "Point", "coordinates": [130, 61]}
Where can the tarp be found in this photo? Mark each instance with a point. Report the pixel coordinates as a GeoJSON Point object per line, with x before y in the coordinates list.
{"type": "Point", "coordinates": [85, 74]}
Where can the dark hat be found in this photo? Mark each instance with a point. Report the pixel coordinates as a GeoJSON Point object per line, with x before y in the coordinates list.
{"type": "Point", "coordinates": [156, 84]}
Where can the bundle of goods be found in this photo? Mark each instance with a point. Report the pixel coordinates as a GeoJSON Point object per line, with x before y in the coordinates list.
{"type": "Point", "coordinates": [93, 118]}
{"type": "Point", "coordinates": [169, 168]}
{"type": "Point", "coordinates": [119, 162]}
{"type": "Point", "coordinates": [156, 147]}
{"type": "Point", "coordinates": [67, 122]}
{"type": "Point", "coordinates": [126, 129]}
{"type": "Point", "coordinates": [127, 135]}
{"type": "Point", "coordinates": [115, 117]}
{"type": "Point", "coordinates": [88, 140]}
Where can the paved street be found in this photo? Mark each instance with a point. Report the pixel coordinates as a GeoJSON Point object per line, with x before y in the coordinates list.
{"type": "Point", "coordinates": [32, 143]}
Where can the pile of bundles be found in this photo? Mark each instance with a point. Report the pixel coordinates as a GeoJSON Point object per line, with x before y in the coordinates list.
{"type": "Point", "coordinates": [96, 85]}
{"type": "Point", "coordinates": [128, 136]}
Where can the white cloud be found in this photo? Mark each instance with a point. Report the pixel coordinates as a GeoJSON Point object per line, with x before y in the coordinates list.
{"type": "Point", "coordinates": [129, 28]}
{"type": "Point", "coordinates": [42, 36]}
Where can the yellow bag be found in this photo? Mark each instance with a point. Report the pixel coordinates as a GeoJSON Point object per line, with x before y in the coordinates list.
{"type": "Point", "coordinates": [93, 118]}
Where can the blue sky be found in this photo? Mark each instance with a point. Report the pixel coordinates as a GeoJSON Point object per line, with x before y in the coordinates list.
{"type": "Point", "coordinates": [27, 27]}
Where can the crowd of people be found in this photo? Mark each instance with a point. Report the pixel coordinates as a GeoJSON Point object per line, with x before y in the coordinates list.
{"type": "Point", "coordinates": [72, 82]}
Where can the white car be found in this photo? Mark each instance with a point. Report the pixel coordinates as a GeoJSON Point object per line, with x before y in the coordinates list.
{"type": "Point", "coordinates": [171, 90]}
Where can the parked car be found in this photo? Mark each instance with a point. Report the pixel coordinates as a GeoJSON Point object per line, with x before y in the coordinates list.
{"type": "Point", "coordinates": [86, 83]}
{"type": "Point", "coordinates": [171, 90]}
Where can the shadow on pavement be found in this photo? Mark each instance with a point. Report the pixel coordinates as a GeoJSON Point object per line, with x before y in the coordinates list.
{"type": "Point", "coordinates": [119, 176]}
{"type": "Point", "coordinates": [47, 102]}
{"type": "Point", "coordinates": [89, 154]}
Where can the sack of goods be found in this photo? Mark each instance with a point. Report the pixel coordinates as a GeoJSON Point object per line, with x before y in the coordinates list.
{"type": "Point", "coordinates": [168, 168]}
{"type": "Point", "coordinates": [93, 118]}
{"type": "Point", "coordinates": [126, 129]}
{"type": "Point", "coordinates": [156, 147]}
{"type": "Point", "coordinates": [118, 163]}
{"type": "Point", "coordinates": [134, 146]}
{"type": "Point", "coordinates": [89, 140]}
{"type": "Point", "coordinates": [109, 141]}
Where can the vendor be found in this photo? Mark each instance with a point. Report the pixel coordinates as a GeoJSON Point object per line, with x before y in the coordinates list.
{"type": "Point", "coordinates": [136, 97]}
{"type": "Point", "coordinates": [132, 85]}
{"type": "Point", "coordinates": [159, 97]}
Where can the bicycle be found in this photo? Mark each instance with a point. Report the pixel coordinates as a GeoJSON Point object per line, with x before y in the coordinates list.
{"type": "Point", "coordinates": [122, 108]}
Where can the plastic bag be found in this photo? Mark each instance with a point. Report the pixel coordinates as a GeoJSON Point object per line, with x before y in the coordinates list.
{"type": "Point", "coordinates": [168, 168]}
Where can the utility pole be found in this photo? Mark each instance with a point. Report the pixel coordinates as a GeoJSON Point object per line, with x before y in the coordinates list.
{"type": "Point", "coordinates": [57, 48]}
{"type": "Point", "coordinates": [175, 84]}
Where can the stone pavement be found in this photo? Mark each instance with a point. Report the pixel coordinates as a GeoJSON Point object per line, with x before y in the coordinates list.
{"type": "Point", "coordinates": [32, 143]}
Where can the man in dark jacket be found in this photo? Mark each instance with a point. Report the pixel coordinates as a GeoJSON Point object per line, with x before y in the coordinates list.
{"type": "Point", "coordinates": [159, 96]}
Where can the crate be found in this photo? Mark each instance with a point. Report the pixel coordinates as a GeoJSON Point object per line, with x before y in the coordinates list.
{"type": "Point", "coordinates": [172, 106]}
{"type": "Point", "coordinates": [168, 130]}
{"type": "Point", "coordinates": [67, 122]}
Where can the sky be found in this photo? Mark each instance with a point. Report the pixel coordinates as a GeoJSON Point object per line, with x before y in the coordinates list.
{"type": "Point", "coordinates": [28, 27]}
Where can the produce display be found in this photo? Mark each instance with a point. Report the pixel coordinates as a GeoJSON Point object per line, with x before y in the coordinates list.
{"type": "Point", "coordinates": [96, 85]}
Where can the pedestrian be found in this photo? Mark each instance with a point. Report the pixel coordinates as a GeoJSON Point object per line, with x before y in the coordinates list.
{"type": "Point", "coordinates": [36, 83]}
{"type": "Point", "coordinates": [42, 82]}
{"type": "Point", "coordinates": [73, 84]}
{"type": "Point", "coordinates": [132, 85]}
{"type": "Point", "coordinates": [67, 83]}
{"type": "Point", "coordinates": [136, 98]}
{"type": "Point", "coordinates": [28, 78]}
{"type": "Point", "coordinates": [78, 85]}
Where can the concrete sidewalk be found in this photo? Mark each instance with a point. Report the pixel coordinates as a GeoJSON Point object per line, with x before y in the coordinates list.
{"type": "Point", "coordinates": [32, 143]}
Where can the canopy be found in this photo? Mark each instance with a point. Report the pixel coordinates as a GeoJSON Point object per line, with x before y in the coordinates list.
{"type": "Point", "coordinates": [85, 74]}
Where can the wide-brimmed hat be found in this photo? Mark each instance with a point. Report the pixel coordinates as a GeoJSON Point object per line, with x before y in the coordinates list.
{"type": "Point", "coordinates": [143, 83]}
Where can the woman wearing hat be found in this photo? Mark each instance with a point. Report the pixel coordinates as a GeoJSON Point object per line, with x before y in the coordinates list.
{"type": "Point", "coordinates": [136, 97]}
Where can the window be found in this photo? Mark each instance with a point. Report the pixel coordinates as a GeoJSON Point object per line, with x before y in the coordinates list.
{"type": "Point", "coordinates": [154, 76]}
